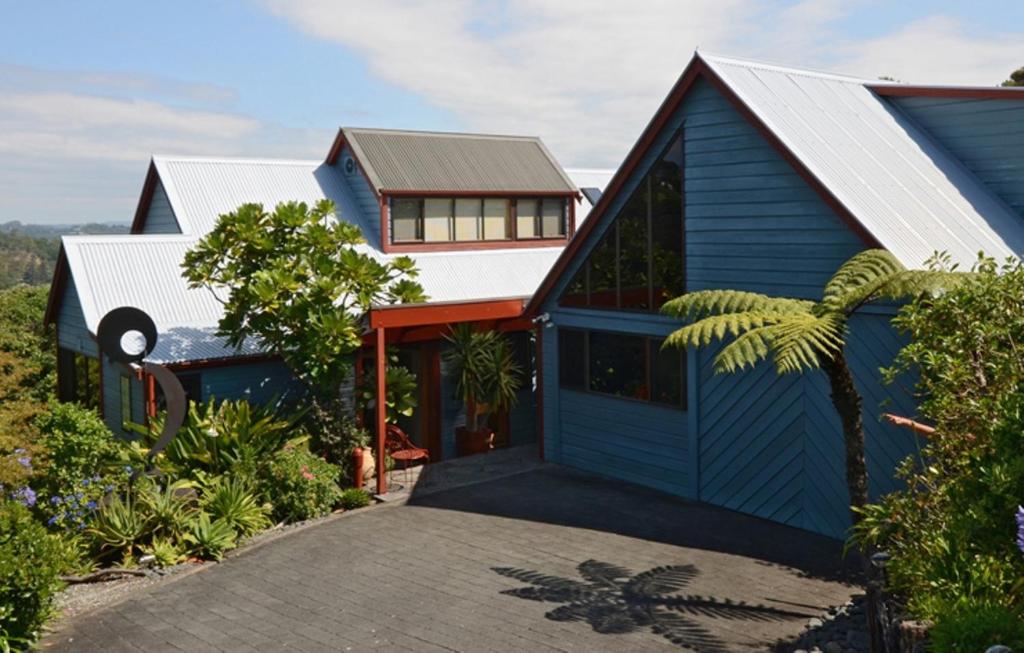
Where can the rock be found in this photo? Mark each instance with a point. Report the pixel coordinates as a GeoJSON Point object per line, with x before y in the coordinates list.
{"type": "Point", "coordinates": [858, 639]}
{"type": "Point", "coordinates": [833, 647]}
{"type": "Point", "coordinates": [814, 622]}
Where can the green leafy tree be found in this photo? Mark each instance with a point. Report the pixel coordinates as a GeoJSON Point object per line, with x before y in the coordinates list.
{"type": "Point", "coordinates": [1016, 78]}
{"type": "Point", "coordinates": [799, 335]}
{"type": "Point", "coordinates": [297, 280]}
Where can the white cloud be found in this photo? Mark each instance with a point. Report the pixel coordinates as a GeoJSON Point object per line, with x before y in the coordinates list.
{"type": "Point", "coordinates": [587, 76]}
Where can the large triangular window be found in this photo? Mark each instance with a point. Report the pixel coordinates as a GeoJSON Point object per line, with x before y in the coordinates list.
{"type": "Point", "coordinates": [639, 262]}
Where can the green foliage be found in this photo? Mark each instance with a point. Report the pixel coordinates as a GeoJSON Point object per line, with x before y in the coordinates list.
{"type": "Point", "coordinates": [297, 279]}
{"type": "Point", "coordinates": [485, 367]}
{"type": "Point", "coordinates": [26, 259]}
{"type": "Point", "coordinates": [975, 627]}
{"type": "Point", "coordinates": [168, 509]}
{"type": "Point", "coordinates": [232, 501]}
{"type": "Point", "coordinates": [336, 434]}
{"type": "Point", "coordinates": [165, 551]}
{"type": "Point", "coordinates": [218, 438]}
{"type": "Point", "coordinates": [31, 561]}
{"type": "Point", "coordinates": [119, 526]}
{"type": "Point", "coordinates": [353, 498]}
{"type": "Point", "coordinates": [210, 538]}
{"type": "Point", "coordinates": [797, 334]}
{"type": "Point", "coordinates": [1016, 78]}
{"type": "Point", "coordinates": [951, 531]}
{"type": "Point", "coordinates": [401, 389]}
{"type": "Point", "coordinates": [301, 485]}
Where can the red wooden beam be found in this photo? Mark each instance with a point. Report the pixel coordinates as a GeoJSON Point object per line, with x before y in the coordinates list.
{"type": "Point", "coordinates": [433, 192]}
{"type": "Point", "coordinates": [469, 245]}
{"type": "Point", "coordinates": [965, 92]}
{"type": "Point", "coordinates": [409, 315]}
{"type": "Point", "coordinates": [381, 406]}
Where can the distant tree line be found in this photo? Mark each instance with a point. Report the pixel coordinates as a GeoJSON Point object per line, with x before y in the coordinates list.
{"type": "Point", "coordinates": [1016, 78]}
{"type": "Point", "coordinates": [28, 253]}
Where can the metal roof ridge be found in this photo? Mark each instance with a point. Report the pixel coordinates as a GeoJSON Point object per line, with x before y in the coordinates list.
{"type": "Point", "coordinates": [439, 134]}
{"type": "Point", "coordinates": [173, 158]}
{"type": "Point", "coordinates": [712, 58]}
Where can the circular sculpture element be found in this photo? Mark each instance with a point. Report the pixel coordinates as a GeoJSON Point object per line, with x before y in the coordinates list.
{"type": "Point", "coordinates": [116, 324]}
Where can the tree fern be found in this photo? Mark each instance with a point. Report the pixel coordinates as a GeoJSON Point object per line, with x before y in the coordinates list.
{"type": "Point", "coordinates": [799, 335]}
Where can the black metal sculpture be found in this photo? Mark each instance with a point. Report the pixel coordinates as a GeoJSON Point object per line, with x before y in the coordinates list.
{"type": "Point", "coordinates": [110, 333]}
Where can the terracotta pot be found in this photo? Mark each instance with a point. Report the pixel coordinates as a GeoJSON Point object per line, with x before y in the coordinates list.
{"type": "Point", "coordinates": [369, 463]}
{"type": "Point", "coordinates": [471, 442]}
{"type": "Point", "coordinates": [363, 466]}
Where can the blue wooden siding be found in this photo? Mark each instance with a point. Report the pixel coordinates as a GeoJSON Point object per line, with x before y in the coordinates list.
{"type": "Point", "coordinates": [72, 332]}
{"type": "Point", "coordinates": [160, 216]}
{"type": "Point", "coordinates": [365, 199]}
{"type": "Point", "coordinates": [636, 441]}
{"type": "Point", "coordinates": [258, 382]}
{"type": "Point", "coordinates": [112, 373]}
{"type": "Point", "coordinates": [986, 135]}
{"type": "Point", "coordinates": [753, 441]}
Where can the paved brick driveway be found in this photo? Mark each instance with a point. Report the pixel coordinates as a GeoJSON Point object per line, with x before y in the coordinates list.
{"type": "Point", "coordinates": [547, 560]}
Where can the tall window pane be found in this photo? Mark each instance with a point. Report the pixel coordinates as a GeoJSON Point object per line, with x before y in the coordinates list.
{"type": "Point", "coordinates": [526, 218]}
{"type": "Point", "coordinates": [667, 375]}
{"type": "Point", "coordinates": [616, 365]}
{"type": "Point", "coordinates": [126, 402]}
{"type": "Point", "coordinates": [552, 217]}
{"type": "Point", "coordinates": [668, 261]}
{"type": "Point", "coordinates": [467, 219]}
{"type": "Point", "coordinates": [437, 218]}
{"type": "Point", "coordinates": [603, 276]}
{"type": "Point", "coordinates": [571, 358]}
{"type": "Point", "coordinates": [575, 293]}
{"type": "Point", "coordinates": [405, 220]}
{"type": "Point", "coordinates": [496, 225]}
{"type": "Point", "coordinates": [633, 252]}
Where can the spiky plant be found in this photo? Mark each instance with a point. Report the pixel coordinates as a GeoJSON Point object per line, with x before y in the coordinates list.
{"type": "Point", "coordinates": [799, 335]}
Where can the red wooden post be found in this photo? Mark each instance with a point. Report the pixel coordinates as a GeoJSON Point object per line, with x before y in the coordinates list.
{"type": "Point", "coordinates": [360, 417]}
{"type": "Point", "coordinates": [382, 485]}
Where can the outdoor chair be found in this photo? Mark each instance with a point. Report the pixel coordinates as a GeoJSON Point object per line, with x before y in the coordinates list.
{"type": "Point", "coordinates": [400, 448]}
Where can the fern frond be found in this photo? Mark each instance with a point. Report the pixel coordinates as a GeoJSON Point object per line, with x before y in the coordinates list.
{"type": "Point", "coordinates": [801, 341]}
{"type": "Point", "coordinates": [716, 302]}
{"type": "Point", "coordinates": [717, 327]}
{"type": "Point", "coordinates": [912, 283]}
{"type": "Point", "coordinates": [746, 351]}
{"type": "Point", "coordinates": [860, 270]}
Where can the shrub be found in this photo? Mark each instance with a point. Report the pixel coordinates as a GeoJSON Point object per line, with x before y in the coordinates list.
{"type": "Point", "coordinates": [300, 485]}
{"type": "Point", "coordinates": [120, 526]}
{"type": "Point", "coordinates": [31, 561]}
{"type": "Point", "coordinates": [217, 438]}
{"type": "Point", "coordinates": [353, 498]}
{"type": "Point", "coordinates": [233, 501]}
{"type": "Point", "coordinates": [951, 532]}
{"type": "Point", "coordinates": [210, 538]}
{"type": "Point", "coordinates": [968, 628]}
{"type": "Point", "coordinates": [165, 552]}
{"type": "Point", "coordinates": [168, 509]}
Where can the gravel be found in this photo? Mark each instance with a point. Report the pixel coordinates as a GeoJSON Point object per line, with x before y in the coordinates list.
{"type": "Point", "coordinates": [843, 629]}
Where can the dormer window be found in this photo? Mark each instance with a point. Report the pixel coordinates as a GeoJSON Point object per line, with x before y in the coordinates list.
{"type": "Point", "coordinates": [476, 219]}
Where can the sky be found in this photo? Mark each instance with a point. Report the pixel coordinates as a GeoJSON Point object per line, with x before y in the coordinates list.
{"type": "Point", "coordinates": [89, 91]}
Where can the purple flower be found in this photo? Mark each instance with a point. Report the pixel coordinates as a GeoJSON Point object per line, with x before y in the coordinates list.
{"type": "Point", "coordinates": [85, 482]}
{"type": "Point", "coordinates": [91, 505]}
{"type": "Point", "coordinates": [52, 520]}
{"type": "Point", "coordinates": [55, 500]}
{"type": "Point", "coordinates": [1020, 528]}
{"type": "Point", "coordinates": [26, 495]}
{"type": "Point", "coordinates": [25, 461]}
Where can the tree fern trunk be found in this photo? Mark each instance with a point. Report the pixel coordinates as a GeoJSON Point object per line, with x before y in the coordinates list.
{"type": "Point", "coordinates": [847, 401]}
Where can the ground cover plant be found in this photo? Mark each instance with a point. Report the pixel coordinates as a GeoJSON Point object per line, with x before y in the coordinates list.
{"type": "Point", "coordinates": [956, 533]}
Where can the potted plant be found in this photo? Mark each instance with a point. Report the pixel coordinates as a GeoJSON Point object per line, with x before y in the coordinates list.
{"type": "Point", "coordinates": [488, 380]}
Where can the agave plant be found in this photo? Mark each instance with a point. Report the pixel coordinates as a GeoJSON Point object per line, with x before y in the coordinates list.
{"type": "Point", "coordinates": [169, 508]}
{"type": "Point", "coordinates": [210, 538]}
{"type": "Point", "coordinates": [219, 437]}
{"type": "Point", "coordinates": [485, 367]}
{"type": "Point", "coordinates": [165, 552]}
{"type": "Point", "coordinates": [120, 526]}
{"type": "Point", "coordinates": [232, 501]}
{"type": "Point", "coordinates": [800, 335]}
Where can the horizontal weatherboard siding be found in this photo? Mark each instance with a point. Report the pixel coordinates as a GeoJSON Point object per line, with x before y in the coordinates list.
{"type": "Point", "coordinates": [986, 135]}
{"type": "Point", "coordinates": [160, 216]}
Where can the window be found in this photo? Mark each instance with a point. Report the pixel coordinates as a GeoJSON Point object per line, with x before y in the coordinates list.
{"type": "Point", "coordinates": [639, 262]}
{"type": "Point", "coordinates": [540, 218]}
{"type": "Point", "coordinates": [78, 378]}
{"type": "Point", "coordinates": [126, 402]}
{"type": "Point", "coordinates": [459, 219]}
{"type": "Point", "coordinates": [622, 365]}
{"type": "Point", "coordinates": [190, 383]}
{"type": "Point", "coordinates": [406, 220]}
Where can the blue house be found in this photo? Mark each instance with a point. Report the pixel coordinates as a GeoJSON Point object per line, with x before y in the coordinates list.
{"type": "Point", "coordinates": [484, 217]}
{"type": "Point", "coordinates": [763, 178]}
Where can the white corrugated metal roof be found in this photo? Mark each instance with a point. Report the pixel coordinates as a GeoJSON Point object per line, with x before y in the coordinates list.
{"type": "Point", "coordinates": [201, 189]}
{"type": "Point", "coordinates": [145, 272]}
{"type": "Point", "coordinates": [905, 189]}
